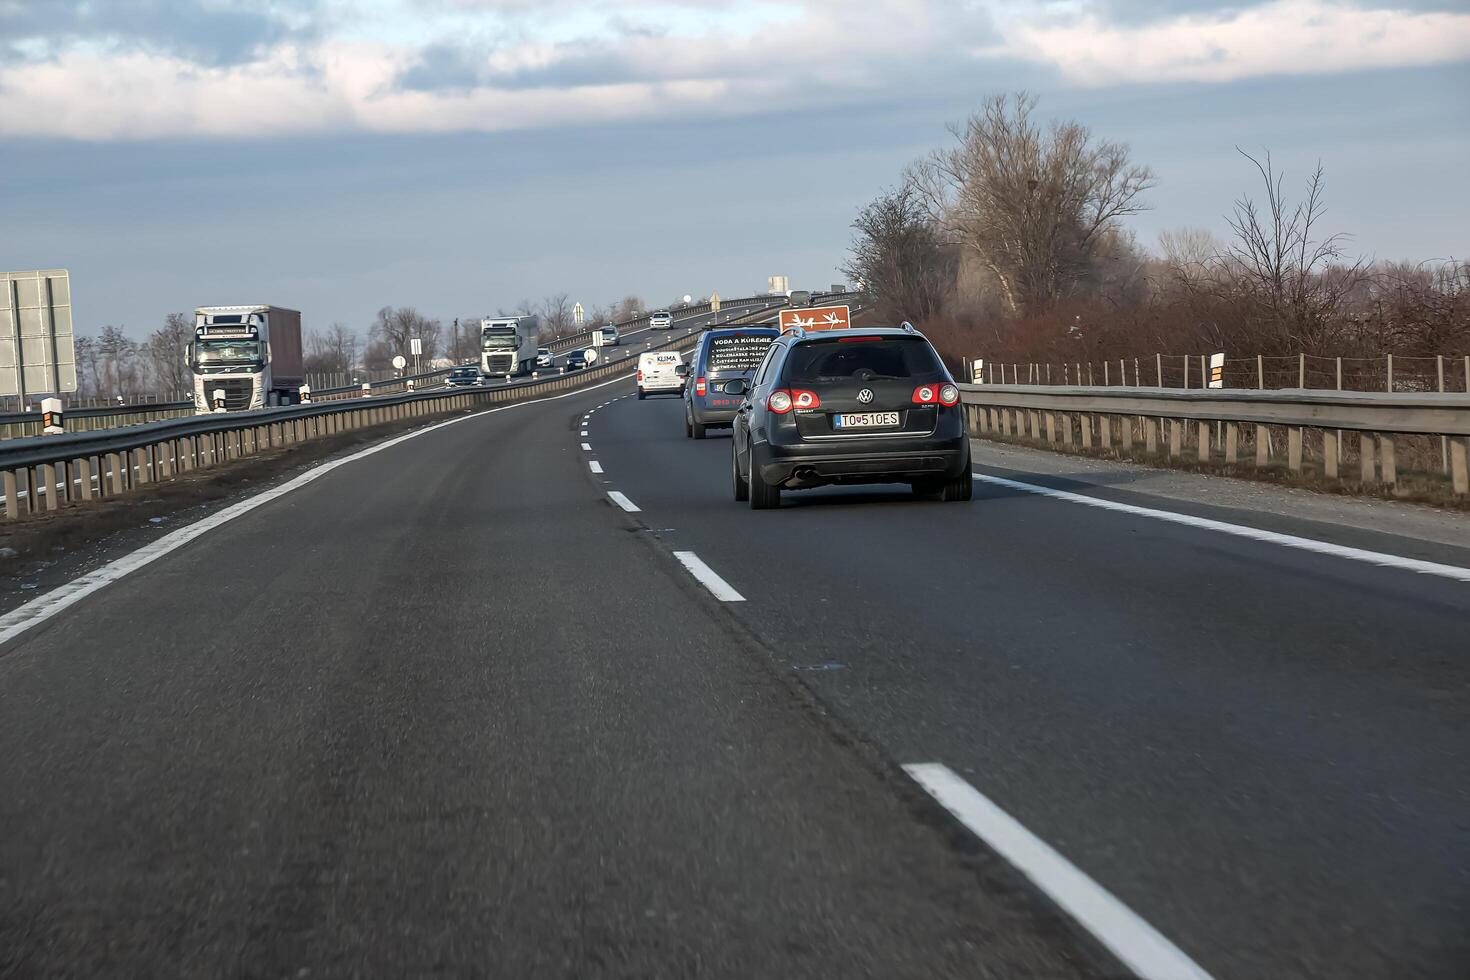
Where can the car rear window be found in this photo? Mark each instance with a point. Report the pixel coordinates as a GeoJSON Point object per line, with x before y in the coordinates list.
{"type": "Point", "coordinates": [736, 353]}
{"type": "Point", "coordinates": [837, 359]}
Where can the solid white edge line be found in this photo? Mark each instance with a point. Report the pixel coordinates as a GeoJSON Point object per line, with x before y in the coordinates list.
{"type": "Point", "coordinates": [707, 576]}
{"type": "Point", "coordinates": [42, 608]}
{"type": "Point", "coordinates": [622, 501]}
{"type": "Point", "coordinates": [594, 466]}
{"type": "Point", "coordinates": [1141, 947]}
{"type": "Point", "coordinates": [1382, 559]}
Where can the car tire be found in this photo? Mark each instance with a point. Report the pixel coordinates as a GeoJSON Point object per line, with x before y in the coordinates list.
{"type": "Point", "coordinates": [742, 488]}
{"type": "Point", "coordinates": [960, 488]}
{"type": "Point", "coordinates": [696, 430]}
{"type": "Point", "coordinates": [640, 394]}
{"type": "Point", "coordinates": [763, 496]}
{"type": "Point", "coordinates": [688, 427]}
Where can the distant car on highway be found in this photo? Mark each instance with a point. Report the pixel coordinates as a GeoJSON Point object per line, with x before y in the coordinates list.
{"type": "Point", "coordinates": [718, 374]}
{"type": "Point", "coordinates": [576, 360]}
{"type": "Point", "coordinates": [662, 320]}
{"type": "Point", "coordinates": [610, 336]}
{"type": "Point", "coordinates": [544, 357]}
{"type": "Point", "coordinates": [658, 373]}
{"type": "Point", "coordinates": [872, 405]}
{"type": "Point", "coordinates": [462, 377]}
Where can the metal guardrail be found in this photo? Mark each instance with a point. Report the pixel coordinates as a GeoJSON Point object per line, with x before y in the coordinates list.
{"type": "Point", "coordinates": [1224, 419]}
{"type": "Point", "coordinates": [42, 473]}
{"type": "Point", "coordinates": [18, 425]}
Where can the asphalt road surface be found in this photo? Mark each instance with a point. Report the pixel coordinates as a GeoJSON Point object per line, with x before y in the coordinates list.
{"type": "Point", "coordinates": [452, 710]}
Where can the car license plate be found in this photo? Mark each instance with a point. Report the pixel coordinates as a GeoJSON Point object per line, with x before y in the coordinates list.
{"type": "Point", "coordinates": [864, 420]}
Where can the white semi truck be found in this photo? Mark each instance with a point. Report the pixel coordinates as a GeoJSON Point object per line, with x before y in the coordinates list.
{"type": "Point", "coordinates": [508, 345]}
{"type": "Point", "coordinates": [251, 353]}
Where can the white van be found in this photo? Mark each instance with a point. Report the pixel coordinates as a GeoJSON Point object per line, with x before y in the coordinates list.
{"type": "Point", "coordinates": [662, 320]}
{"type": "Point", "coordinates": [658, 372]}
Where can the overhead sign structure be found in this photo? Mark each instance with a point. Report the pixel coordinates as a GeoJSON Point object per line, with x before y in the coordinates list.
{"type": "Point", "coordinates": [1217, 370]}
{"type": "Point", "coordinates": [817, 318]}
{"type": "Point", "coordinates": [37, 355]}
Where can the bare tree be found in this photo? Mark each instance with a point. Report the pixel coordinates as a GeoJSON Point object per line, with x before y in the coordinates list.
{"type": "Point", "coordinates": [332, 351]}
{"type": "Point", "coordinates": [1285, 266]}
{"type": "Point", "coordinates": [1034, 204]}
{"type": "Point", "coordinates": [167, 355]}
{"type": "Point", "coordinates": [899, 256]}
{"type": "Point", "coordinates": [117, 357]}
{"type": "Point", "coordinates": [394, 329]}
{"type": "Point", "coordinates": [556, 316]}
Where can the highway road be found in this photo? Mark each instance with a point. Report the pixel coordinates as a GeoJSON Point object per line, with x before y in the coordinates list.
{"type": "Point", "coordinates": [528, 694]}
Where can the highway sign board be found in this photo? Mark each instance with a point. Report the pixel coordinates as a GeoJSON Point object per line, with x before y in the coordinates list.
{"type": "Point", "coordinates": [399, 361]}
{"type": "Point", "coordinates": [416, 346]}
{"type": "Point", "coordinates": [591, 355]}
{"type": "Point", "coordinates": [817, 318]}
{"type": "Point", "coordinates": [714, 302]}
{"type": "Point", "coordinates": [579, 315]}
{"type": "Point", "coordinates": [36, 351]}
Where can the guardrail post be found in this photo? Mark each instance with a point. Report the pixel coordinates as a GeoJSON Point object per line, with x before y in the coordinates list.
{"type": "Point", "coordinates": [1387, 461]}
{"type": "Point", "coordinates": [1105, 432]}
{"type": "Point", "coordinates": [1366, 460]}
{"type": "Point", "coordinates": [1263, 447]}
{"type": "Point", "coordinates": [1204, 442]}
{"type": "Point", "coordinates": [1176, 434]}
{"type": "Point", "coordinates": [1294, 448]}
{"type": "Point", "coordinates": [1459, 469]}
{"type": "Point", "coordinates": [1084, 422]}
{"type": "Point", "coordinates": [1126, 424]}
{"type": "Point", "coordinates": [84, 477]}
{"type": "Point", "coordinates": [1051, 428]}
{"type": "Point", "coordinates": [1232, 443]}
{"type": "Point", "coordinates": [115, 464]}
{"type": "Point", "coordinates": [46, 474]}
{"type": "Point", "coordinates": [1330, 451]}
{"type": "Point", "coordinates": [1150, 435]}
{"type": "Point", "coordinates": [12, 496]}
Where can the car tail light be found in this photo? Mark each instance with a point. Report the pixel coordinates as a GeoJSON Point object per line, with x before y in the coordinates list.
{"type": "Point", "coordinates": [949, 394]}
{"type": "Point", "coordinates": [926, 394]}
{"type": "Point", "coordinates": [699, 386]}
{"type": "Point", "coordinates": [779, 402]}
{"type": "Point", "coordinates": [805, 399]}
{"type": "Point", "coordinates": [640, 375]}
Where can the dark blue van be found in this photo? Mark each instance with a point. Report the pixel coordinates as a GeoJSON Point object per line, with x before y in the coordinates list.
{"type": "Point", "coordinates": [719, 374]}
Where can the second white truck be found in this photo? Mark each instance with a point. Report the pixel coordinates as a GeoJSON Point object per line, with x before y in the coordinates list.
{"type": "Point", "coordinates": [508, 345]}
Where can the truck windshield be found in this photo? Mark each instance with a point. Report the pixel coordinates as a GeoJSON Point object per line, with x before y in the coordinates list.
{"type": "Point", "coordinates": [500, 341]}
{"type": "Point", "coordinates": [228, 351]}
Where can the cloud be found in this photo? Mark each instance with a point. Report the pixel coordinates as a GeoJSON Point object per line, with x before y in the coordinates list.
{"type": "Point", "coordinates": [1287, 37]}
{"type": "Point", "coordinates": [297, 67]}
{"type": "Point", "coordinates": [202, 31]}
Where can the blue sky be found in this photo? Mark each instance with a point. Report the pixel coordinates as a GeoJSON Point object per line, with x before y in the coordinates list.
{"type": "Point", "coordinates": [460, 155]}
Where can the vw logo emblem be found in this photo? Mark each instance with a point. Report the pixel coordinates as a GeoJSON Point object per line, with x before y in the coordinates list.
{"type": "Point", "coordinates": [865, 396]}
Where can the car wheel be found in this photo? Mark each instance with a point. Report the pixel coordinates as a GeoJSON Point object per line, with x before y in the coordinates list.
{"type": "Point", "coordinates": [763, 496]}
{"type": "Point", "coordinates": [688, 427]}
{"type": "Point", "coordinates": [742, 488]}
{"type": "Point", "coordinates": [960, 488]}
{"type": "Point", "coordinates": [696, 430]}
{"type": "Point", "coordinates": [640, 394]}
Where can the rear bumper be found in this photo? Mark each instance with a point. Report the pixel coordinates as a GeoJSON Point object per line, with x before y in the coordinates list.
{"type": "Point", "coordinates": [717, 417]}
{"type": "Point", "coordinates": [892, 461]}
{"type": "Point", "coordinates": [661, 387]}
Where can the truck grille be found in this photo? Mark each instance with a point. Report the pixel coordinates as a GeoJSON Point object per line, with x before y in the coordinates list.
{"type": "Point", "coordinates": [237, 392]}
